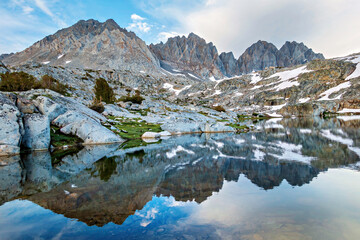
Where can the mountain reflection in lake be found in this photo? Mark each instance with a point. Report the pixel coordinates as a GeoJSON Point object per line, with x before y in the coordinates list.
{"type": "Point", "coordinates": [292, 178]}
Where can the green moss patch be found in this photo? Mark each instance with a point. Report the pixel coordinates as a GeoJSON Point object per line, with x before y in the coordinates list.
{"type": "Point", "coordinates": [58, 139]}
{"type": "Point", "coordinates": [238, 127]}
{"type": "Point", "coordinates": [133, 128]}
{"type": "Point", "coordinates": [254, 117]}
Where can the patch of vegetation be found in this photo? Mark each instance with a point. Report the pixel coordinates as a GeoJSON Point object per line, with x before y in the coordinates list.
{"type": "Point", "coordinates": [138, 142]}
{"type": "Point", "coordinates": [137, 98]}
{"type": "Point", "coordinates": [132, 129]}
{"type": "Point", "coordinates": [48, 82]}
{"type": "Point", "coordinates": [218, 108]}
{"type": "Point", "coordinates": [97, 106]}
{"type": "Point", "coordinates": [254, 117]}
{"type": "Point", "coordinates": [21, 81]}
{"type": "Point", "coordinates": [204, 113]}
{"type": "Point", "coordinates": [238, 127]}
{"type": "Point", "coordinates": [103, 91]}
{"type": "Point", "coordinates": [17, 81]}
{"type": "Point", "coordinates": [327, 115]}
{"type": "Point", "coordinates": [58, 139]}
{"type": "Point", "coordinates": [222, 120]}
{"type": "Point", "coordinates": [142, 112]}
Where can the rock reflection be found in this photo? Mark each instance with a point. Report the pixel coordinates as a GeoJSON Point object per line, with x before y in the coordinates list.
{"type": "Point", "coordinates": [102, 184]}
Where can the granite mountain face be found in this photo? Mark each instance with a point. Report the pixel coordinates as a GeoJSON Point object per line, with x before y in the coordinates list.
{"type": "Point", "coordinates": [293, 53]}
{"type": "Point", "coordinates": [106, 46]}
{"type": "Point", "coordinates": [89, 45]}
{"type": "Point", "coordinates": [262, 55]}
{"type": "Point", "coordinates": [190, 53]}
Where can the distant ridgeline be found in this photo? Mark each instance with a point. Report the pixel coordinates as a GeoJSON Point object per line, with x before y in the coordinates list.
{"type": "Point", "coordinates": [94, 45]}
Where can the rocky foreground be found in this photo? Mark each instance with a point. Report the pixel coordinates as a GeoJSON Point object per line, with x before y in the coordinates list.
{"type": "Point", "coordinates": [27, 119]}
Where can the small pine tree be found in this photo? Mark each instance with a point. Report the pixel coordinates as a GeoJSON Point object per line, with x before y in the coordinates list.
{"type": "Point", "coordinates": [103, 91]}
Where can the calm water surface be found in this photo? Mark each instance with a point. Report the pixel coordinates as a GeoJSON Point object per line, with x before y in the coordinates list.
{"type": "Point", "coordinates": [290, 179]}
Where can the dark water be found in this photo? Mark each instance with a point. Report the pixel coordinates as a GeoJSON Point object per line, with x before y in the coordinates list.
{"type": "Point", "coordinates": [291, 179]}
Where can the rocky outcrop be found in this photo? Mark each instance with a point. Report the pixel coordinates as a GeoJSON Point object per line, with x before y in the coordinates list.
{"type": "Point", "coordinates": [25, 121]}
{"type": "Point", "coordinates": [3, 68]}
{"type": "Point", "coordinates": [49, 108]}
{"type": "Point", "coordinates": [190, 53]}
{"type": "Point", "coordinates": [37, 132]}
{"type": "Point", "coordinates": [88, 130]}
{"type": "Point", "coordinates": [89, 45]}
{"type": "Point", "coordinates": [10, 127]}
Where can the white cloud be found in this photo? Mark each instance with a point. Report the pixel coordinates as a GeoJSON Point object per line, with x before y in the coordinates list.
{"type": "Point", "coordinates": [23, 5]}
{"type": "Point", "coordinates": [327, 26]}
{"type": "Point", "coordinates": [138, 24]}
{"type": "Point", "coordinates": [164, 36]}
{"type": "Point", "coordinates": [136, 17]}
{"type": "Point", "coordinates": [42, 5]}
{"type": "Point", "coordinates": [27, 9]}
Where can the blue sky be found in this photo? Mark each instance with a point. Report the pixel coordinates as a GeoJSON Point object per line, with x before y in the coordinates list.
{"type": "Point", "coordinates": [327, 26]}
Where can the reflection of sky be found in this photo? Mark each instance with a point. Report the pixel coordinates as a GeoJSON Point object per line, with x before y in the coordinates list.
{"type": "Point", "coordinates": [238, 209]}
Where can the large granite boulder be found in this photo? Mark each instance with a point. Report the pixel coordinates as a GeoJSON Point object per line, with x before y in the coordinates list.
{"type": "Point", "coordinates": [10, 127]}
{"type": "Point", "coordinates": [86, 128]}
{"type": "Point", "coordinates": [37, 131]}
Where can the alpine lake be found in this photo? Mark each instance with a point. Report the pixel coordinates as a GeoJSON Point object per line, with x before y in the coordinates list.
{"type": "Point", "coordinates": [286, 179]}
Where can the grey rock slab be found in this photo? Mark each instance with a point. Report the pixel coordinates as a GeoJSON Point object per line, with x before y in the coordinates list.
{"type": "Point", "coordinates": [10, 129]}
{"type": "Point", "coordinates": [37, 132]}
{"type": "Point", "coordinates": [91, 132]}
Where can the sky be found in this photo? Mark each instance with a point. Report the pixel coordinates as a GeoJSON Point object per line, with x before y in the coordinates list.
{"type": "Point", "coordinates": [327, 26]}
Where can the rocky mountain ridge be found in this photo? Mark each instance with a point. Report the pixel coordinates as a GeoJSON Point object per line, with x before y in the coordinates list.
{"type": "Point", "coordinates": [106, 46]}
{"type": "Point", "coordinates": [193, 54]}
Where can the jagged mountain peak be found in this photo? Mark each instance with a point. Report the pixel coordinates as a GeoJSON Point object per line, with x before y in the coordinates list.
{"type": "Point", "coordinates": [90, 44]}
{"type": "Point", "coordinates": [191, 53]}
{"type": "Point", "coordinates": [294, 53]}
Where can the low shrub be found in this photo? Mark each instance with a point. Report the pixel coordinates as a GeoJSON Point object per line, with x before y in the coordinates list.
{"type": "Point", "coordinates": [48, 82]}
{"type": "Point", "coordinates": [97, 106]}
{"type": "Point", "coordinates": [137, 98]}
{"type": "Point", "coordinates": [18, 81]}
{"type": "Point", "coordinates": [219, 108]}
{"type": "Point", "coordinates": [21, 81]}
